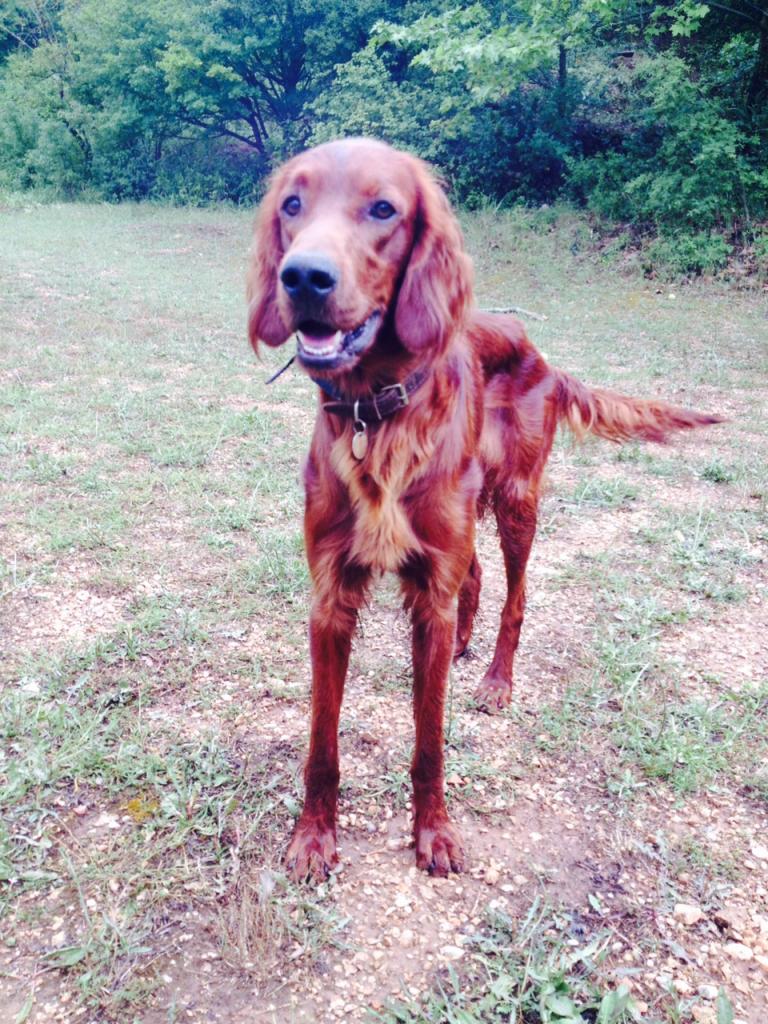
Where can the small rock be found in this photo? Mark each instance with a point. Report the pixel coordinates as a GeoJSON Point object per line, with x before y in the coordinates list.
{"type": "Point", "coordinates": [703, 1014]}
{"type": "Point", "coordinates": [738, 951]}
{"type": "Point", "coordinates": [406, 937]}
{"type": "Point", "coordinates": [759, 851]}
{"type": "Point", "coordinates": [688, 914]}
{"type": "Point", "coordinates": [762, 960]}
{"type": "Point", "coordinates": [492, 875]}
{"type": "Point", "coordinates": [106, 820]}
{"type": "Point", "coordinates": [453, 952]}
{"type": "Point", "coordinates": [730, 919]}
{"type": "Point", "coordinates": [682, 986]}
{"type": "Point", "coordinates": [708, 992]}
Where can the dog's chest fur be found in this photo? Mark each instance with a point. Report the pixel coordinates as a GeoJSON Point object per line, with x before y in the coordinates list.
{"type": "Point", "coordinates": [383, 536]}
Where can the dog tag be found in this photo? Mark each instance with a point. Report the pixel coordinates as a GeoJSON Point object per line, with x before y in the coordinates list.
{"type": "Point", "coordinates": [360, 436]}
{"type": "Point", "coordinates": [359, 442]}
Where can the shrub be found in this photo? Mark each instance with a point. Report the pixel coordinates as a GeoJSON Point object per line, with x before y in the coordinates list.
{"type": "Point", "coordinates": [684, 255]}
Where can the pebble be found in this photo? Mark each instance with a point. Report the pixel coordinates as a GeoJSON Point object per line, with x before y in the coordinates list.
{"type": "Point", "coordinates": [688, 914]}
{"type": "Point", "coordinates": [703, 1014]}
{"type": "Point", "coordinates": [453, 952]}
{"type": "Point", "coordinates": [738, 951]}
{"type": "Point", "coordinates": [106, 820]}
{"type": "Point", "coordinates": [730, 919]}
{"type": "Point", "coordinates": [708, 992]}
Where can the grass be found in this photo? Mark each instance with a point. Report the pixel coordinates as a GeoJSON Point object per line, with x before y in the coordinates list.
{"type": "Point", "coordinates": [529, 972]}
{"type": "Point", "coordinates": [154, 600]}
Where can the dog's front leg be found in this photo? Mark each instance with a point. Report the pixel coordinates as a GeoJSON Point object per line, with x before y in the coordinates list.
{"type": "Point", "coordinates": [312, 850]}
{"type": "Point", "coordinates": [339, 590]}
{"type": "Point", "coordinates": [438, 842]}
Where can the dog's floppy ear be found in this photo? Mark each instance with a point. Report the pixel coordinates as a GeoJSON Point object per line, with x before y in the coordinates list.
{"type": "Point", "coordinates": [264, 320]}
{"type": "Point", "coordinates": [436, 289]}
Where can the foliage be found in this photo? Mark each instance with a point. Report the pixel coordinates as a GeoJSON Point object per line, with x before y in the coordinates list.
{"type": "Point", "coordinates": [531, 972]}
{"type": "Point", "coordinates": [137, 87]}
{"type": "Point", "coordinates": [678, 158]}
{"type": "Point", "coordinates": [515, 142]}
{"type": "Point", "coordinates": [652, 112]}
{"type": "Point", "coordinates": [685, 254]}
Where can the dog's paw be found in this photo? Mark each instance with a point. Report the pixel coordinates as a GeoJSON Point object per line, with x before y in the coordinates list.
{"type": "Point", "coordinates": [439, 848]}
{"type": "Point", "coordinates": [311, 853]}
{"type": "Point", "coordinates": [493, 694]}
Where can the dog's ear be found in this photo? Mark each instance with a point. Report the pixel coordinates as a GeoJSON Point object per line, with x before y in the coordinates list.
{"type": "Point", "coordinates": [436, 289]}
{"type": "Point", "coordinates": [264, 320]}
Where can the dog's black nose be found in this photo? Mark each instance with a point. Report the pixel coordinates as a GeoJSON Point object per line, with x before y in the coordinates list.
{"type": "Point", "coordinates": [309, 277]}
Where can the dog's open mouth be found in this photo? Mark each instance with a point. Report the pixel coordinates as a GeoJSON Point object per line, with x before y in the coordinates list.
{"type": "Point", "coordinates": [322, 347]}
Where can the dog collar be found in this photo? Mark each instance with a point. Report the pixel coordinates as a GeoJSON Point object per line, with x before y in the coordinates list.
{"type": "Point", "coordinates": [380, 406]}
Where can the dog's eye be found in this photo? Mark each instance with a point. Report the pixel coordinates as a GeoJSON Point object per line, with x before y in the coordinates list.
{"type": "Point", "coordinates": [382, 210]}
{"type": "Point", "coordinates": [292, 205]}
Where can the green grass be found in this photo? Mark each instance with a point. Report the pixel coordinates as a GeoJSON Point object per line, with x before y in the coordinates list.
{"type": "Point", "coordinates": [656, 729]}
{"type": "Point", "coordinates": [154, 595]}
{"type": "Point", "coordinates": [531, 972]}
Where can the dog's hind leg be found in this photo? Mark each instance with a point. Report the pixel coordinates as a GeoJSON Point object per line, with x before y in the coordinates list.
{"type": "Point", "coordinates": [517, 526]}
{"type": "Point", "coordinates": [469, 599]}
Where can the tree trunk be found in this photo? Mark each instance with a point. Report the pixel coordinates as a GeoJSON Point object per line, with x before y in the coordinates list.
{"type": "Point", "coordinates": [759, 80]}
{"type": "Point", "coordinates": [562, 79]}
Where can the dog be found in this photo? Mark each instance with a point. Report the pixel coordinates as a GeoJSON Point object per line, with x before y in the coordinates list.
{"type": "Point", "coordinates": [430, 412]}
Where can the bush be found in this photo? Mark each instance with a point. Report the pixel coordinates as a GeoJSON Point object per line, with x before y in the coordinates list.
{"type": "Point", "coordinates": [759, 251]}
{"type": "Point", "coordinates": [201, 172]}
{"type": "Point", "coordinates": [675, 157]}
{"type": "Point", "coordinates": [684, 255]}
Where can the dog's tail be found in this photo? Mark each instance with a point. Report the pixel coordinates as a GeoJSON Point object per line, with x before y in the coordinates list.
{"type": "Point", "coordinates": [619, 418]}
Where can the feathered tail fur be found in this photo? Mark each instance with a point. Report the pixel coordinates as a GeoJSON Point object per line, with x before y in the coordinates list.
{"type": "Point", "coordinates": [618, 418]}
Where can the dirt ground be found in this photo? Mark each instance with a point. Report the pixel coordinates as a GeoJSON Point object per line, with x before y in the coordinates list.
{"type": "Point", "coordinates": [155, 679]}
{"type": "Point", "coordinates": [544, 826]}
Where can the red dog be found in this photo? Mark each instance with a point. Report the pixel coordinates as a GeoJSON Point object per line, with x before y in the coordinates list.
{"type": "Point", "coordinates": [429, 412]}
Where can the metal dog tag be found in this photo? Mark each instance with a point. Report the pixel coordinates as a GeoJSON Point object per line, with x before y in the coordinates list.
{"type": "Point", "coordinates": [360, 436]}
{"type": "Point", "coordinates": [359, 443]}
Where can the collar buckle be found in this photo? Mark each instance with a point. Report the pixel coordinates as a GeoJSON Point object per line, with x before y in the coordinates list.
{"type": "Point", "coordinates": [399, 389]}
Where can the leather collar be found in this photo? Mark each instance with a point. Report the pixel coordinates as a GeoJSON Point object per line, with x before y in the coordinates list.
{"type": "Point", "coordinates": [380, 406]}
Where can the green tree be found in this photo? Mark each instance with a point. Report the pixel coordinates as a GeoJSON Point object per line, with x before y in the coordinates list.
{"type": "Point", "coordinates": [137, 84]}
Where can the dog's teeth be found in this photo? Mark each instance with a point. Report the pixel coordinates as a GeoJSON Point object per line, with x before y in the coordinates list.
{"type": "Point", "coordinates": [317, 350]}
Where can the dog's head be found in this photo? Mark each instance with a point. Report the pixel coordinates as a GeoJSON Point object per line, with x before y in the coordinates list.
{"type": "Point", "coordinates": [355, 240]}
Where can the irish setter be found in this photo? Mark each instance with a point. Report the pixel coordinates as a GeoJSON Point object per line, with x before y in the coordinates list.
{"type": "Point", "coordinates": [429, 412]}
